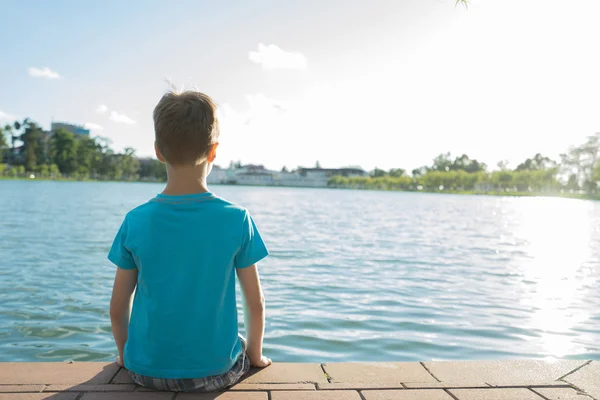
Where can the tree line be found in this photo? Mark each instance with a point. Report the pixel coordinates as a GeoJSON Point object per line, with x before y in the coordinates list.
{"type": "Point", "coordinates": [26, 149]}
{"type": "Point", "coordinates": [577, 172]}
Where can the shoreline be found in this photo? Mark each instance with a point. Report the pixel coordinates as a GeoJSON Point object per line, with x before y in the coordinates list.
{"type": "Point", "coordinates": [575, 196]}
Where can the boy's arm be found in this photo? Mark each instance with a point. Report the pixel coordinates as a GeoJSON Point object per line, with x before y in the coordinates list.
{"type": "Point", "coordinates": [254, 314]}
{"type": "Point", "coordinates": [125, 282]}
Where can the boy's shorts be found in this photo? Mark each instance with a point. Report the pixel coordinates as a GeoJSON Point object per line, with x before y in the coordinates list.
{"type": "Point", "coordinates": [208, 384]}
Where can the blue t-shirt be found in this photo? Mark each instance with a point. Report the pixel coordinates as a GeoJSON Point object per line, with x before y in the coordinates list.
{"type": "Point", "coordinates": [184, 321]}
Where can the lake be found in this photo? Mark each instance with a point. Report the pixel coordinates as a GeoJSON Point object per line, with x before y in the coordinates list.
{"type": "Point", "coordinates": [352, 276]}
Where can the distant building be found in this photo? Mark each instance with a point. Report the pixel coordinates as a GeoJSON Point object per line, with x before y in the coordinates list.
{"type": "Point", "coordinates": [319, 177]}
{"type": "Point", "coordinates": [75, 129]}
{"type": "Point", "coordinates": [260, 176]}
{"type": "Point", "coordinates": [329, 172]}
{"type": "Point", "coordinates": [218, 175]}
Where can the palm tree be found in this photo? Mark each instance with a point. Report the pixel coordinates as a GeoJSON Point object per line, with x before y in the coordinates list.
{"type": "Point", "coordinates": [3, 144]}
{"type": "Point", "coordinates": [9, 130]}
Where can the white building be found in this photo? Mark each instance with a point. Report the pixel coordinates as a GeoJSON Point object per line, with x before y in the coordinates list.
{"type": "Point", "coordinates": [218, 175]}
{"type": "Point", "coordinates": [258, 175]}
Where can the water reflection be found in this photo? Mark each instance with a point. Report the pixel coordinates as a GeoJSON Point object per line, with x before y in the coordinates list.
{"type": "Point", "coordinates": [556, 235]}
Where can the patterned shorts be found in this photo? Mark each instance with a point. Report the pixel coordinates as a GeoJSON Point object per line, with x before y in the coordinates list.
{"type": "Point", "coordinates": [208, 384]}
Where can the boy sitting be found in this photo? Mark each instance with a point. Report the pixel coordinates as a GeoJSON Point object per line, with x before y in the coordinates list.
{"type": "Point", "coordinates": [179, 252]}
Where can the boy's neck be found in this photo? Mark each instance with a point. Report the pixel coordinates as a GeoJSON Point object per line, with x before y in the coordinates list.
{"type": "Point", "coordinates": [184, 180]}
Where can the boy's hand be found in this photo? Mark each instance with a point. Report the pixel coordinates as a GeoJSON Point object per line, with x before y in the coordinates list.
{"type": "Point", "coordinates": [263, 362]}
{"type": "Point", "coordinates": [119, 361]}
{"type": "Point", "coordinates": [254, 314]}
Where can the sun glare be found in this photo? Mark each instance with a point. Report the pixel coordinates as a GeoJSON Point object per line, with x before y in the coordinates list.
{"type": "Point", "coordinates": [557, 236]}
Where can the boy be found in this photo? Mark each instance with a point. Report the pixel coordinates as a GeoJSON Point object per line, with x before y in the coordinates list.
{"type": "Point", "coordinates": [179, 252]}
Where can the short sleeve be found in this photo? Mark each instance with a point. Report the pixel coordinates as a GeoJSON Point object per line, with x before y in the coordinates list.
{"type": "Point", "coordinates": [253, 248]}
{"type": "Point", "coordinates": [119, 254]}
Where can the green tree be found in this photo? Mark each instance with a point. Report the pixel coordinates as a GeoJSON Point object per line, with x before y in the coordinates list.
{"type": "Point", "coordinates": [465, 163]}
{"type": "Point", "coordinates": [502, 179]}
{"type": "Point", "coordinates": [572, 182]}
{"type": "Point", "coordinates": [105, 167]}
{"type": "Point", "coordinates": [418, 172]}
{"type": "Point", "coordinates": [88, 154]}
{"type": "Point", "coordinates": [153, 169]}
{"type": "Point", "coordinates": [582, 160]}
{"type": "Point", "coordinates": [64, 150]}
{"type": "Point", "coordinates": [42, 170]}
{"type": "Point", "coordinates": [33, 150]}
{"type": "Point", "coordinates": [53, 170]}
{"type": "Point", "coordinates": [431, 181]}
{"type": "Point", "coordinates": [503, 165]}
{"type": "Point", "coordinates": [3, 145]}
{"type": "Point", "coordinates": [377, 173]}
{"type": "Point", "coordinates": [126, 165]}
{"type": "Point", "coordinates": [538, 162]}
{"type": "Point", "coordinates": [13, 138]}
{"type": "Point", "coordinates": [10, 130]}
{"type": "Point", "coordinates": [442, 162]}
{"type": "Point", "coordinates": [596, 173]}
{"type": "Point", "coordinates": [397, 172]}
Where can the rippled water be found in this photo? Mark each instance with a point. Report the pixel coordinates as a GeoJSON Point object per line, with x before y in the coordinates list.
{"type": "Point", "coordinates": [353, 275]}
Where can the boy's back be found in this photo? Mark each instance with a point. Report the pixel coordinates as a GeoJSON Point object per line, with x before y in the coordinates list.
{"type": "Point", "coordinates": [184, 320]}
{"type": "Point", "coordinates": [180, 253]}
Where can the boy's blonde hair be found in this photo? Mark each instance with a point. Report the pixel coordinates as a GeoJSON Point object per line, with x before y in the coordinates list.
{"type": "Point", "coordinates": [185, 126]}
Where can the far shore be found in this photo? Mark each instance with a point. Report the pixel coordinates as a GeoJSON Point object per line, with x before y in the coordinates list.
{"type": "Point", "coordinates": [565, 195]}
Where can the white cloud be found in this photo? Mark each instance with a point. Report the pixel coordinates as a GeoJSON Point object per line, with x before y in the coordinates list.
{"type": "Point", "coordinates": [273, 57]}
{"type": "Point", "coordinates": [102, 108]}
{"type": "Point", "coordinates": [121, 118]}
{"type": "Point", "coordinates": [6, 117]}
{"type": "Point", "coordinates": [94, 127]}
{"type": "Point", "coordinates": [45, 72]}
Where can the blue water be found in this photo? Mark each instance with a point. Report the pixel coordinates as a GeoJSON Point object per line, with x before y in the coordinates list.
{"type": "Point", "coordinates": [353, 275]}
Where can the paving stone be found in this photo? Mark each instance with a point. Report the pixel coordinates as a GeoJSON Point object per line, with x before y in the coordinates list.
{"type": "Point", "coordinates": [273, 386]}
{"type": "Point", "coordinates": [426, 394]}
{"type": "Point", "coordinates": [38, 396]}
{"type": "Point", "coordinates": [447, 385]}
{"type": "Point", "coordinates": [56, 373]}
{"type": "Point", "coordinates": [256, 387]}
{"type": "Point", "coordinates": [561, 394]}
{"type": "Point", "coordinates": [388, 373]}
{"type": "Point", "coordinates": [224, 396]}
{"type": "Point", "coordinates": [587, 379]}
{"type": "Point", "coordinates": [286, 373]}
{"type": "Point", "coordinates": [497, 372]}
{"type": "Point", "coordinates": [139, 388]}
{"type": "Point", "coordinates": [495, 394]}
{"type": "Point", "coordinates": [358, 386]}
{"type": "Point", "coordinates": [316, 395]}
{"type": "Point", "coordinates": [122, 377]}
{"type": "Point", "coordinates": [90, 388]}
{"type": "Point", "coordinates": [525, 383]}
{"type": "Point", "coordinates": [128, 396]}
{"type": "Point", "coordinates": [21, 388]}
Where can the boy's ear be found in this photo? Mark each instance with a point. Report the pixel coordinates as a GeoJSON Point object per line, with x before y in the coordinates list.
{"type": "Point", "coordinates": [158, 154]}
{"type": "Point", "coordinates": [212, 152]}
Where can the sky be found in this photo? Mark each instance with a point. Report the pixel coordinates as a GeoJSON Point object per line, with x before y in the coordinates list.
{"type": "Point", "coordinates": [387, 84]}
